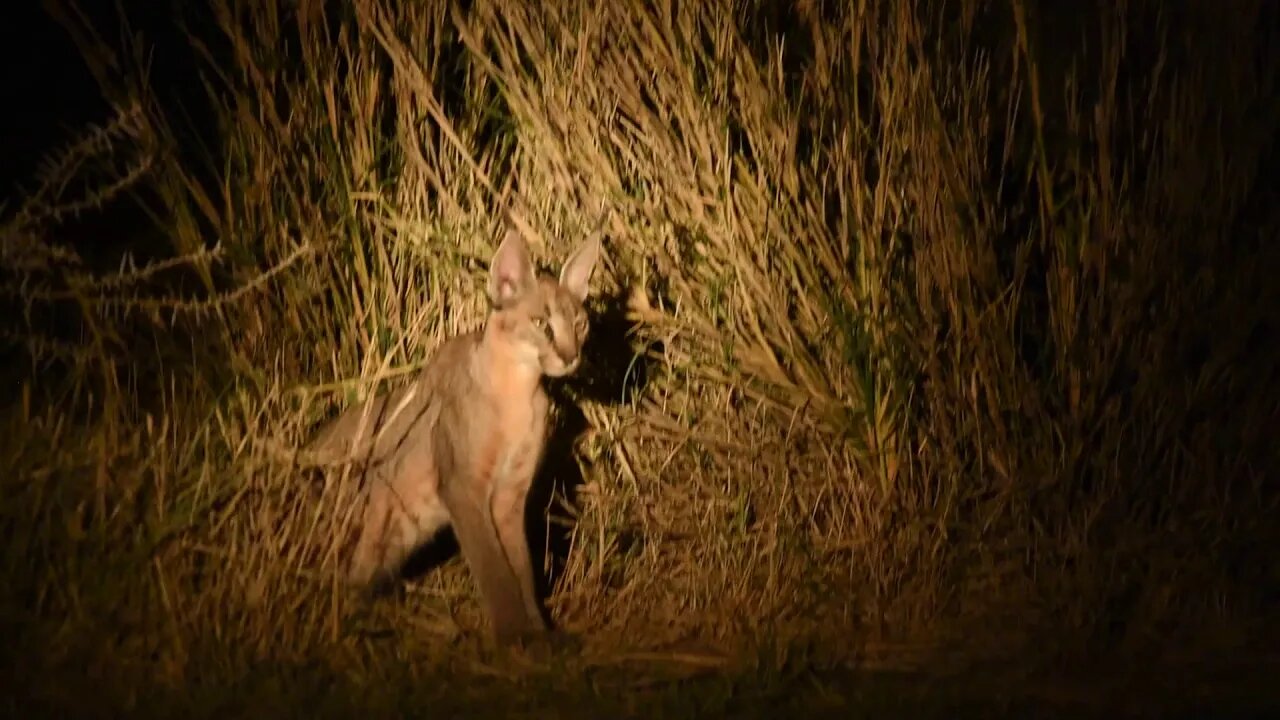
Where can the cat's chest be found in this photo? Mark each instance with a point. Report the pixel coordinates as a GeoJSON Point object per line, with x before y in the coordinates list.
{"type": "Point", "coordinates": [519, 424]}
{"type": "Point", "coordinates": [518, 437]}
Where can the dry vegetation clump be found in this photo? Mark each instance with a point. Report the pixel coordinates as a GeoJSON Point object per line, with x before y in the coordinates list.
{"type": "Point", "coordinates": [925, 331]}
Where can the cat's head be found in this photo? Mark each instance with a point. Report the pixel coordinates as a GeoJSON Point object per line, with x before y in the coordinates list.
{"type": "Point", "coordinates": [544, 318]}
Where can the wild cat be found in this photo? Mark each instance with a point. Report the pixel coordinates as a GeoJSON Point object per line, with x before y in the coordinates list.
{"type": "Point", "coordinates": [460, 445]}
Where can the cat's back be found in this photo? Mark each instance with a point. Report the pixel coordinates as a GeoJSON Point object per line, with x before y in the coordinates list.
{"type": "Point", "coordinates": [446, 377]}
{"type": "Point", "coordinates": [450, 372]}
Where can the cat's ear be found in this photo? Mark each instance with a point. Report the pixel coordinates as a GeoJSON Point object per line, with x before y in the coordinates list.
{"type": "Point", "coordinates": [575, 276]}
{"type": "Point", "coordinates": [511, 273]}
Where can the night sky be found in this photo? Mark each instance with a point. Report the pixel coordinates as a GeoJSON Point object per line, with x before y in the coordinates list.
{"type": "Point", "coordinates": [48, 92]}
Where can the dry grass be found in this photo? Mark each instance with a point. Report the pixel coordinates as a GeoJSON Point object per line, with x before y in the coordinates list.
{"type": "Point", "coordinates": [927, 333]}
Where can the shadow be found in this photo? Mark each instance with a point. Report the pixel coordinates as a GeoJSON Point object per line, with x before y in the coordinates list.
{"type": "Point", "coordinates": [555, 488]}
{"type": "Point", "coordinates": [433, 554]}
{"type": "Point", "coordinates": [613, 372]}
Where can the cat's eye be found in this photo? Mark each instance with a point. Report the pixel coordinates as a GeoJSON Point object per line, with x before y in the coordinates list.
{"type": "Point", "coordinates": [542, 325]}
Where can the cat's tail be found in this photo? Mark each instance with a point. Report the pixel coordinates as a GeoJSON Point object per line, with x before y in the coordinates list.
{"type": "Point", "coordinates": [330, 446]}
{"type": "Point", "coordinates": [351, 437]}
{"type": "Point", "coordinates": [305, 456]}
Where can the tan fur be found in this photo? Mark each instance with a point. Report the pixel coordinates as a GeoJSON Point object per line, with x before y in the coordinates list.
{"type": "Point", "coordinates": [460, 445]}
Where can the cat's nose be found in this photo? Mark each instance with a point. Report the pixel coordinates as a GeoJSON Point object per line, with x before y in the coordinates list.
{"type": "Point", "coordinates": [568, 357]}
